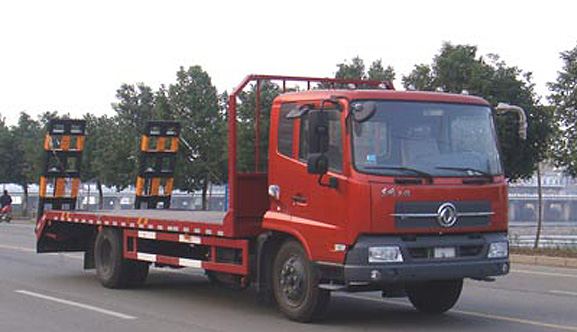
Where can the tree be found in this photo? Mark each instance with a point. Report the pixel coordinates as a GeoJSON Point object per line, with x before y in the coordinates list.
{"type": "Point", "coordinates": [26, 165]}
{"type": "Point", "coordinates": [564, 99]}
{"type": "Point", "coordinates": [162, 108]}
{"type": "Point", "coordinates": [193, 101]}
{"type": "Point", "coordinates": [378, 73]}
{"type": "Point", "coordinates": [458, 69]}
{"type": "Point", "coordinates": [135, 107]}
{"type": "Point", "coordinates": [421, 79]}
{"type": "Point", "coordinates": [356, 70]}
{"type": "Point", "coordinates": [101, 148]}
{"type": "Point", "coordinates": [456, 66]}
{"type": "Point", "coordinates": [246, 117]}
{"type": "Point", "coordinates": [7, 152]}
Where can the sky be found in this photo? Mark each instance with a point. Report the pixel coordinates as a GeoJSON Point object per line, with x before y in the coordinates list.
{"type": "Point", "coordinates": [72, 56]}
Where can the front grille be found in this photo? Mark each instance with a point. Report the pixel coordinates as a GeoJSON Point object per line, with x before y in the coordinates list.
{"type": "Point", "coordinates": [423, 215]}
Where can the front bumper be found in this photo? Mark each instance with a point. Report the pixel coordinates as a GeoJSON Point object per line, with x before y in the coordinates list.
{"type": "Point", "coordinates": [418, 262]}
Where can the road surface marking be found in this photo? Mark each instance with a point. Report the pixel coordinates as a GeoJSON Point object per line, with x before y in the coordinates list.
{"type": "Point", "coordinates": [32, 250]}
{"type": "Point", "coordinates": [474, 314]}
{"type": "Point", "coordinates": [548, 274]}
{"type": "Point", "coordinates": [4, 246]}
{"type": "Point", "coordinates": [563, 292]}
{"type": "Point", "coordinates": [76, 304]}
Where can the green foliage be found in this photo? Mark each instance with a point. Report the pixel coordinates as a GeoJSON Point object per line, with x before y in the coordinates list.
{"type": "Point", "coordinates": [121, 147]}
{"type": "Point", "coordinates": [421, 79]}
{"type": "Point", "coordinates": [106, 158]}
{"type": "Point", "coordinates": [458, 69]}
{"type": "Point", "coordinates": [7, 152]}
{"type": "Point", "coordinates": [28, 151]}
{"type": "Point", "coordinates": [564, 98]}
{"type": "Point", "coordinates": [193, 101]}
{"type": "Point", "coordinates": [162, 108]}
{"type": "Point", "coordinates": [356, 70]}
{"type": "Point", "coordinates": [378, 73]}
{"type": "Point", "coordinates": [246, 127]}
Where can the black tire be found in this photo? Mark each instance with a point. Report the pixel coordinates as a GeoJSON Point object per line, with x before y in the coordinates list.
{"type": "Point", "coordinates": [112, 269]}
{"type": "Point", "coordinates": [435, 296]}
{"type": "Point", "coordinates": [295, 285]}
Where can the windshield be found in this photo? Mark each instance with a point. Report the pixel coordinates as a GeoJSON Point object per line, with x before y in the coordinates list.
{"type": "Point", "coordinates": [435, 139]}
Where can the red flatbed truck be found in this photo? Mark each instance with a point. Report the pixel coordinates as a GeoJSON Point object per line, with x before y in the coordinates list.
{"type": "Point", "coordinates": [402, 192]}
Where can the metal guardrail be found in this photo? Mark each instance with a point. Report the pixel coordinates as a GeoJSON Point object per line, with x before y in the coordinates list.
{"type": "Point", "coordinates": [514, 224]}
{"type": "Point", "coordinates": [545, 241]}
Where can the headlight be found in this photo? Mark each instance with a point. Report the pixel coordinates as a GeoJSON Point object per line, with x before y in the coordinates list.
{"type": "Point", "coordinates": [498, 250]}
{"type": "Point", "coordinates": [385, 254]}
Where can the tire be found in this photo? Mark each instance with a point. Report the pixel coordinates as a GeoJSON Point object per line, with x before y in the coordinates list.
{"type": "Point", "coordinates": [295, 286]}
{"type": "Point", "coordinates": [112, 269]}
{"type": "Point", "coordinates": [436, 296]}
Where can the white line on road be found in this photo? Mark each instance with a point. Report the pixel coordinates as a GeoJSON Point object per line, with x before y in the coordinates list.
{"type": "Point", "coordinates": [76, 304]}
{"type": "Point", "coordinates": [563, 292]}
{"type": "Point", "coordinates": [474, 314]}
{"type": "Point", "coordinates": [4, 246]}
{"type": "Point", "coordinates": [547, 274]}
{"type": "Point", "coordinates": [32, 250]}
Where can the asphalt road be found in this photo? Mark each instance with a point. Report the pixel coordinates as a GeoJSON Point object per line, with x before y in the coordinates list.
{"type": "Point", "coordinates": [51, 292]}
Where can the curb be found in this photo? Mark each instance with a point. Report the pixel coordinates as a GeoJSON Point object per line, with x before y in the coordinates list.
{"type": "Point", "coordinates": [544, 261]}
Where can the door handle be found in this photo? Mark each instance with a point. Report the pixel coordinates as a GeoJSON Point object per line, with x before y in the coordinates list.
{"type": "Point", "coordinates": [299, 200]}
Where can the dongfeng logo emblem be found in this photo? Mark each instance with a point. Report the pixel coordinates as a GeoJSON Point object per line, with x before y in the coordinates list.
{"type": "Point", "coordinates": [447, 215]}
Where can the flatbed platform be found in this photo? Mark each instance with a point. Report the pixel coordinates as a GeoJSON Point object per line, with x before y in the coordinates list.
{"type": "Point", "coordinates": [211, 217]}
{"type": "Point", "coordinates": [210, 223]}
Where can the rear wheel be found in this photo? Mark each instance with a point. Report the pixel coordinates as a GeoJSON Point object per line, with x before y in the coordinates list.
{"type": "Point", "coordinates": [295, 286]}
{"type": "Point", "coordinates": [112, 269]}
{"type": "Point", "coordinates": [435, 296]}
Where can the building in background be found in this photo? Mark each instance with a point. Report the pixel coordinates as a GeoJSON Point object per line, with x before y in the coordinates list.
{"type": "Point", "coordinates": [559, 198]}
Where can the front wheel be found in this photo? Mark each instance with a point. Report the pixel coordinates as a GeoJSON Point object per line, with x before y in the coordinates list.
{"type": "Point", "coordinates": [295, 285]}
{"type": "Point", "coordinates": [435, 296]}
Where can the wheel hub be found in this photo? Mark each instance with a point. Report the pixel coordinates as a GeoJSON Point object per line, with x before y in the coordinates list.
{"type": "Point", "coordinates": [292, 280]}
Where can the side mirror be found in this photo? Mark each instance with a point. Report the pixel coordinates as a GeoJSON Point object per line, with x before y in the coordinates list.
{"type": "Point", "coordinates": [318, 162]}
{"type": "Point", "coordinates": [505, 108]}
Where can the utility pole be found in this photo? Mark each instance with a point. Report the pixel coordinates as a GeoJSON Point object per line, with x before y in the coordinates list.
{"type": "Point", "coordinates": [539, 206]}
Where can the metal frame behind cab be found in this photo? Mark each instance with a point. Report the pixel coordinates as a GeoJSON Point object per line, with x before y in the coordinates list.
{"type": "Point", "coordinates": [231, 224]}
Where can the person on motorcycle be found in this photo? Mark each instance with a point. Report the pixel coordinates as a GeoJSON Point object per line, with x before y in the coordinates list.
{"type": "Point", "coordinates": [6, 211]}
{"type": "Point", "coordinates": [5, 199]}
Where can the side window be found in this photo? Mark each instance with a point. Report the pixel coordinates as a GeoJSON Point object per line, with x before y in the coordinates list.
{"type": "Point", "coordinates": [335, 153]}
{"type": "Point", "coordinates": [285, 131]}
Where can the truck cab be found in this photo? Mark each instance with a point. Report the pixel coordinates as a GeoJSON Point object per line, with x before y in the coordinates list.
{"type": "Point", "coordinates": [390, 190]}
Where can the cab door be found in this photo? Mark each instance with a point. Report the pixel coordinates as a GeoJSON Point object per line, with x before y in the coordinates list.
{"type": "Point", "coordinates": [312, 212]}
{"type": "Point", "coordinates": [321, 208]}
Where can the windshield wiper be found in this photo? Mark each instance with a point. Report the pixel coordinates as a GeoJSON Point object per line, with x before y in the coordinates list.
{"type": "Point", "coordinates": [419, 173]}
{"type": "Point", "coordinates": [466, 169]}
